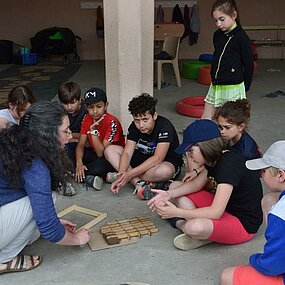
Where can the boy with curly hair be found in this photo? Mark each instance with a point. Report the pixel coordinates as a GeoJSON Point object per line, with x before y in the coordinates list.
{"type": "Point", "coordinates": [149, 155]}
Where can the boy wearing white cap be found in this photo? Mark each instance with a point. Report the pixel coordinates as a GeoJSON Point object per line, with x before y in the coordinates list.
{"type": "Point", "coordinates": [267, 267]}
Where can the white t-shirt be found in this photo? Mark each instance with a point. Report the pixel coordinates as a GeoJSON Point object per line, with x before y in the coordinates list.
{"type": "Point", "coordinates": [6, 114]}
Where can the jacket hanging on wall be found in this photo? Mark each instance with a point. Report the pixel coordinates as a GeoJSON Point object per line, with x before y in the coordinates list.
{"type": "Point", "coordinates": [194, 25]}
{"type": "Point", "coordinates": [100, 23]}
{"type": "Point", "coordinates": [159, 15]}
{"type": "Point", "coordinates": [186, 22]}
{"type": "Point", "coordinates": [177, 16]}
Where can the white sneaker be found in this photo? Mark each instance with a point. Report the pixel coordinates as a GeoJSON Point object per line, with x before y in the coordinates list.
{"type": "Point", "coordinates": [111, 177]}
{"type": "Point", "coordinates": [185, 242]}
{"type": "Point", "coordinates": [98, 183]}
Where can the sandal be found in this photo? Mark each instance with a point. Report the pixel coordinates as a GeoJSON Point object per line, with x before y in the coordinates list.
{"type": "Point", "coordinates": [20, 263]}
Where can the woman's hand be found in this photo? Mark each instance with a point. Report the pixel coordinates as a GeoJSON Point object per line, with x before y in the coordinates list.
{"type": "Point", "coordinates": [69, 226]}
{"type": "Point", "coordinates": [82, 236]}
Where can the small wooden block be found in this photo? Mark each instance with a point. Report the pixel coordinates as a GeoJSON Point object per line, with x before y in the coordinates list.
{"type": "Point", "coordinates": [144, 232]}
{"type": "Point", "coordinates": [111, 238]}
{"type": "Point", "coordinates": [123, 236]}
{"type": "Point", "coordinates": [97, 242]}
{"type": "Point", "coordinates": [154, 230]}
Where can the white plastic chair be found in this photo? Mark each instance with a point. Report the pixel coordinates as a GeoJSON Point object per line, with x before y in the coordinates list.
{"type": "Point", "coordinates": [171, 46]}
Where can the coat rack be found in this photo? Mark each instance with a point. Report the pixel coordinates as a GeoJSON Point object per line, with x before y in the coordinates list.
{"type": "Point", "coordinates": [172, 3]}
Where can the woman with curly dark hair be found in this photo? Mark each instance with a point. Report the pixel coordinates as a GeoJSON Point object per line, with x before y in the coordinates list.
{"type": "Point", "coordinates": [31, 166]}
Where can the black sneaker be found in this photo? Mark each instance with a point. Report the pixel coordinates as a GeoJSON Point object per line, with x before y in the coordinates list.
{"type": "Point", "coordinates": [145, 192]}
{"type": "Point", "coordinates": [164, 185]}
{"type": "Point", "coordinates": [173, 221]}
{"type": "Point", "coordinates": [139, 185]}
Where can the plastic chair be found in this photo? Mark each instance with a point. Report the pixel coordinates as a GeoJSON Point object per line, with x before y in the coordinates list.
{"type": "Point", "coordinates": [171, 46]}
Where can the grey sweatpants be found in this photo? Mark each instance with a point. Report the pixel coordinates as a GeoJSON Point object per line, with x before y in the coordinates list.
{"type": "Point", "coordinates": [17, 228]}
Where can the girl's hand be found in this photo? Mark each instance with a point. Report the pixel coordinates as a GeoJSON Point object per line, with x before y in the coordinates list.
{"type": "Point", "coordinates": [159, 199]}
{"type": "Point", "coordinates": [189, 176]}
{"type": "Point", "coordinates": [167, 210]}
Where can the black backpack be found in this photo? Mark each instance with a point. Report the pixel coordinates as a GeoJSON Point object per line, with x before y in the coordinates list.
{"type": "Point", "coordinates": [55, 40]}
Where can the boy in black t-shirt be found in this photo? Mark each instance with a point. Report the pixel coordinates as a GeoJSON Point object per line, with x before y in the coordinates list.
{"type": "Point", "coordinates": [69, 95]}
{"type": "Point", "coordinates": [149, 155]}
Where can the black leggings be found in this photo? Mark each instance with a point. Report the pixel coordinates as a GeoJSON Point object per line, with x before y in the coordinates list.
{"type": "Point", "coordinates": [97, 166]}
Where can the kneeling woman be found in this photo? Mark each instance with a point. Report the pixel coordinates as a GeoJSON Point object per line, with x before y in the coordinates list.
{"type": "Point", "coordinates": [230, 211]}
{"type": "Point", "coordinates": [31, 166]}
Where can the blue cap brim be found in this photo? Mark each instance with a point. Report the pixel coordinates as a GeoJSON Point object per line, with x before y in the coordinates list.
{"type": "Point", "coordinates": [182, 148]}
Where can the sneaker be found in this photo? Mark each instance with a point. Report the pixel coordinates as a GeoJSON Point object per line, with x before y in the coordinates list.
{"type": "Point", "coordinates": [138, 186]}
{"type": "Point", "coordinates": [145, 192]}
{"type": "Point", "coordinates": [67, 189]}
{"type": "Point", "coordinates": [111, 177]}
{"type": "Point", "coordinates": [143, 189]}
{"type": "Point", "coordinates": [174, 220]}
{"type": "Point", "coordinates": [185, 242]}
{"type": "Point", "coordinates": [164, 185]}
{"type": "Point", "coordinates": [94, 181]}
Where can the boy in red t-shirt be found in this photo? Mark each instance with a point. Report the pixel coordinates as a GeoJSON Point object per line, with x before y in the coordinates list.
{"type": "Point", "coordinates": [100, 129]}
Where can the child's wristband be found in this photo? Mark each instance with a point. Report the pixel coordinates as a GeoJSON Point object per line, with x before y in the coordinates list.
{"type": "Point", "coordinates": [196, 171]}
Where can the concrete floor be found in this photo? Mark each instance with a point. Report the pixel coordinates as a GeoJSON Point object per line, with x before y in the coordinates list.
{"type": "Point", "coordinates": [154, 260]}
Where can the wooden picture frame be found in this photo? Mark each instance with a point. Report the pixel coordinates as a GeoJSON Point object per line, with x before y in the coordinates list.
{"type": "Point", "coordinates": [99, 216]}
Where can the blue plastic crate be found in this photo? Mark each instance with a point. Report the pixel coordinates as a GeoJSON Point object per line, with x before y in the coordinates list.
{"type": "Point", "coordinates": [29, 58]}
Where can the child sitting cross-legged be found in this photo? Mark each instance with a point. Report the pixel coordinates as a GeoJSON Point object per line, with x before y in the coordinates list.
{"type": "Point", "coordinates": [268, 267]}
{"type": "Point", "coordinates": [149, 155]}
{"type": "Point", "coordinates": [69, 95]}
{"type": "Point", "coordinates": [101, 129]}
{"type": "Point", "coordinates": [221, 203]}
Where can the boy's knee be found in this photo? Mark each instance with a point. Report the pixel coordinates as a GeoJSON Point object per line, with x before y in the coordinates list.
{"type": "Point", "coordinates": [110, 150]}
{"type": "Point", "coordinates": [164, 171]}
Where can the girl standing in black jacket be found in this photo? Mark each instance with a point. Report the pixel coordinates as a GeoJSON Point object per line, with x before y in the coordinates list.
{"type": "Point", "coordinates": [232, 65]}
